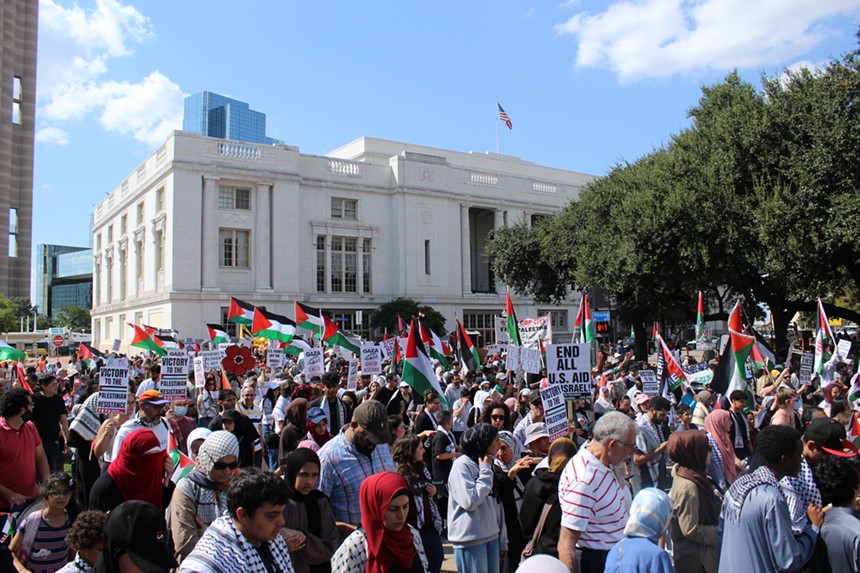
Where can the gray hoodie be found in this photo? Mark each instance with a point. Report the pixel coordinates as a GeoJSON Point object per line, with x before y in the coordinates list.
{"type": "Point", "coordinates": [474, 515]}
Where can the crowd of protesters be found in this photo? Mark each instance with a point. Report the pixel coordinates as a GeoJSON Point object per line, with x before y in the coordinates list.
{"type": "Point", "coordinates": [316, 475]}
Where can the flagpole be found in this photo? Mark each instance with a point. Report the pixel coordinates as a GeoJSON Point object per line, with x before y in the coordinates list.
{"type": "Point", "coordinates": [497, 125]}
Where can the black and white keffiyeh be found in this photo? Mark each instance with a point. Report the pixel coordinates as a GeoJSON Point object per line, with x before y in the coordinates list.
{"type": "Point", "coordinates": [223, 549]}
{"type": "Point", "coordinates": [86, 423]}
{"type": "Point", "coordinates": [738, 492]}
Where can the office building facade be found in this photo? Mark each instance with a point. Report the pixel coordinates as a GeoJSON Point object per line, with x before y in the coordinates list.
{"type": "Point", "coordinates": [64, 277]}
{"type": "Point", "coordinates": [18, 35]}
{"type": "Point", "coordinates": [218, 116]}
{"type": "Point", "coordinates": [203, 219]}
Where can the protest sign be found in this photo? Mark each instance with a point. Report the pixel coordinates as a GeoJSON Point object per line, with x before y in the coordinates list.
{"type": "Point", "coordinates": [569, 366]}
{"type": "Point", "coordinates": [116, 344]}
{"type": "Point", "coordinates": [555, 414]}
{"type": "Point", "coordinates": [314, 363]}
{"type": "Point", "coordinates": [190, 344]}
{"type": "Point", "coordinates": [512, 362]}
{"type": "Point", "coordinates": [650, 384]}
{"type": "Point", "coordinates": [388, 347]}
{"type": "Point", "coordinates": [530, 360]}
{"type": "Point", "coordinates": [492, 349]}
{"type": "Point", "coordinates": [806, 361]}
{"type": "Point", "coordinates": [699, 374]}
{"type": "Point", "coordinates": [530, 330]}
{"type": "Point", "coordinates": [211, 360]}
{"type": "Point", "coordinates": [352, 375]}
{"type": "Point", "coordinates": [199, 373]}
{"type": "Point", "coordinates": [371, 359]}
{"type": "Point", "coordinates": [275, 359]}
{"type": "Point", "coordinates": [844, 348]}
{"type": "Point", "coordinates": [174, 367]}
{"type": "Point", "coordinates": [113, 387]}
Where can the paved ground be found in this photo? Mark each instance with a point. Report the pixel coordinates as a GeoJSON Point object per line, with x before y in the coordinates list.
{"type": "Point", "coordinates": [449, 566]}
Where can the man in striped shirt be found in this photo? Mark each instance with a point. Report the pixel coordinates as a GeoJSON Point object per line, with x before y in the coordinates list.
{"type": "Point", "coordinates": [594, 503]}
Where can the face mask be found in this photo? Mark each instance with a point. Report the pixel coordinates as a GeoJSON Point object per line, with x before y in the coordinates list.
{"type": "Point", "coordinates": [181, 410]}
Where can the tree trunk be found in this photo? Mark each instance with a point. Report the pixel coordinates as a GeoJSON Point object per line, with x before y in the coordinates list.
{"type": "Point", "coordinates": [641, 334]}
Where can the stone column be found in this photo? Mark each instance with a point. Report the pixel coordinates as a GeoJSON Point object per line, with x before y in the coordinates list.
{"type": "Point", "coordinates": [359, 264]}
{"type": "Point", "coordinates": [328, 269]}
{"type": "Point", "coordinates": [262, 261]}
{"type": "Point", "coordinates": [466, 249]}
{"type": "Point", "coordinates": [210, 248]}
{"type": "Point", "coordinates": [498, 223]}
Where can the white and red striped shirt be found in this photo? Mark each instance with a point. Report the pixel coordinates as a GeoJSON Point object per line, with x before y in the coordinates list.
{"type": "Point", "coordinates": [593, 502]}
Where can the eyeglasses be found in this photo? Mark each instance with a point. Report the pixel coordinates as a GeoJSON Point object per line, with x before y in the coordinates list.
{"type": "Point", "coordinates": [221, 466]}
{"type": "Point", "coordinates": [61, 493]}
{"type": "Point", "coordinates": [497, 417]}
{"type": "Point", "coordinates": [626, 444]}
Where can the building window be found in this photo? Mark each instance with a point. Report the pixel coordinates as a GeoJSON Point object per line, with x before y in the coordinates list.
{"type": "Point", "coordinates": [159, 200]}
{"type": "Point", "coordinates": [231, 327]}
{"type": "Point", "coordinates": [348, 320]}
{"type": "Point", "coordinates": [321, 263]}
{"type": "Point", "coordinates": [138, 264]}
{"type": "Point", "coordinates": [365, 256]}
{"type": "Point", "coordinates": [482, 322]}
{"type": "Point", "coordinates": [110, 234]}
{"type": "Point", "coordinates": [344, 264]}
{"type": "Point", "coordinates": [17, 99]}
{"type": "Point", "coordinates": [233, 198]}
{"type": "Point", "coordinates": [13, 232]}
{"type": "Point", "coordinates": [557, 318]}
{"type": "Point", "coordinates": [344, 208]}
{"type": "Point", "coordinates": [108, 328]}
{"type": "Point", "coordinates": [427, 256]}
{"type": "Point", "coordinates": [159, 251]}
{"type": "Point", "coordinates": [122, 272]}
{"type": "Point", "coordinates": [123, 225]}
{"type": "Point", "coordinates": [108, 284]}
{"type": "Point", "coordinates": [140, 213]}
{"type": "Point", "coordinates": [235, 248]}
{"type": "Point", "coordinates": [97, 330]}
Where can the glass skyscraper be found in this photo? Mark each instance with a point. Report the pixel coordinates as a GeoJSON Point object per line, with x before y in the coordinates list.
{"type": "Point", "coordinates": [214, 115]}
{"type": "Point", "coordinates": [64, 277]}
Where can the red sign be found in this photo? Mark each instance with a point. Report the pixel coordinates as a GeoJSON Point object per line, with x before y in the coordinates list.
{"type": "Point", "coordinates": [58, 340]}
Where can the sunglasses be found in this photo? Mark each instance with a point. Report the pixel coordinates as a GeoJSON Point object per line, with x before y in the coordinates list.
{"type": "Point", "coordinates": [497, 417]}
{"type": "Point", "coordinates": [221, 466]}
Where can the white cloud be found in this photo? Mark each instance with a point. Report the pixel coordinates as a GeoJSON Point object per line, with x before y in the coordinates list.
{"type": "Point", "coordinates": [659, 38]}
{"type": "Point", "coordinates": [52, 135]}
{"type": "Point", "coordinates": [76, 46]}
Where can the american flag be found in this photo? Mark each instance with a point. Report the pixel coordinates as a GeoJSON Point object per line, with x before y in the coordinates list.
{"type": "Point", "coordinates": [504, 117]}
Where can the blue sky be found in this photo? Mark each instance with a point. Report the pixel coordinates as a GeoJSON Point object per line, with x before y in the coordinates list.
{"type": "Point", "coordinates": [586, 83]}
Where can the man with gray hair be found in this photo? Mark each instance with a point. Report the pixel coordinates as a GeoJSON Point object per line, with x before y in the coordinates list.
{"type": "Point", "coordinates": [594, 503]}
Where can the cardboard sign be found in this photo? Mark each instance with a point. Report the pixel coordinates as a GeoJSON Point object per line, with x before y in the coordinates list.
{"type": "Point", "coordinates": [352, 376]}
{"type": "Point", "coordinates": [555, 413]}
{"type": "Point", "coordinates": [371, 359]}
{"type": "Point", "coordinates": [211, 360]}
{"type": "Point", "coordinates": [512, 362]}
{"type": "Point", "coordinates": [569, 366]}
{"type": "Point", "coordinates": [276, 359]}
{"type": "Point", "coordinates": [530, 360]}
{"type": "Point", "coordinates": [650, 383]}
{"type": "Point", "coordinates": [113, 387]}
{"type": "Point", "coordinates": [807, 359]}
{"type": "Point", "coordinates": [199, 373]}
{"type": "Point", "coordinates": [116, 344]}
{"type": "Point", "coordinates": [844, 348]}
{"type": "Point", "coordinates": [174, 367]}
{"type": "Point", "coordinates": [314, 363]}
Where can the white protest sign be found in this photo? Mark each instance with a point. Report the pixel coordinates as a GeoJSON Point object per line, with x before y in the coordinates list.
{"type": "Point", "coordinates": [314, 363]}
{"type": "Point", "coordinates": [512, 362]}
{"type": "Point", "coordinates": [806, 361]}
{"type": "Point", "coordinates": [569, 366]}
{"type": "Point", "coordinates": [275, 359]}
{"type": "Point", "coordinates": [113, 387]}
{"type": "Point", "coordinates": [555, 414]}
{"type": "Point", "coordinates": [173, 375]}
{"type": "Point", "coordinates": [211, 360]}
{"type": "Point", "coordinates": [492, 350]}
{"type": "Point", "coordinates": [199, 373]}
{"type": "Point", "coordinates": [533, 328]}
{"type": "Point", "coordinates": [388, 347]}
{"type": "Point", "coordinates": [371, 359]}
{"type": "Point", "coordinates": [116, 344]}
{"type": "Point", "coordinates": [844, 348]}
{"type": "Point", "coordinates": [500, 324]}
{"type": "Point", "coordinates": [352, 376]}
{"type": "Point", "coordinates": [650, 384]}
{"type": "Point", "coordinates": [530, 360]}
{"type": "Point", "coordinates": [190, 343]}
{"type": "Point", "coordinates": [222, 350]}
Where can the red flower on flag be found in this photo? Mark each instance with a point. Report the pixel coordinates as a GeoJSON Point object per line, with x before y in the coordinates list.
{"type": "Point", "coordinates": [238, 360]}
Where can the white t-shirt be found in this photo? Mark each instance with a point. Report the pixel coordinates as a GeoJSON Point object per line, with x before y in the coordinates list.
{"type": "Point", "coordinates": [148, 384]}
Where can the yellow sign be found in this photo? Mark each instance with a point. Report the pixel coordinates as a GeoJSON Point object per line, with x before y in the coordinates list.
{"type": "Point", "coordinates": [834, 321]}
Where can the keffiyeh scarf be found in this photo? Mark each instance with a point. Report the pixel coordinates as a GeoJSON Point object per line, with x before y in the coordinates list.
{"type": "Point", "coordinates": [87, 421]}
{"type": "Point", "coordinates": [223, 549]}
{"type": "Point", "coordinates": [737, 494]}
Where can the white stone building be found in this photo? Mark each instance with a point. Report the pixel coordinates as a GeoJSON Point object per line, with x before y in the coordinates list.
{"type": "Point", "coordinates": [203, 218]}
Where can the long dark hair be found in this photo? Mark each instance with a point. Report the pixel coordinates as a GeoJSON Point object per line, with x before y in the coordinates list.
{"type": "Point", "coordinates": [487, 414]}
{"type": "Point", "coordinates": [403, 453]}
{"type": "Point", "coordinates": [61, 478]}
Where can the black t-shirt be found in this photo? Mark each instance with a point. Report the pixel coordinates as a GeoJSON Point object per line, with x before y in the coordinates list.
{"type": "Point", "coordinates": [392, 399]}
{"type": "Point", "coordinates": [46, 416]}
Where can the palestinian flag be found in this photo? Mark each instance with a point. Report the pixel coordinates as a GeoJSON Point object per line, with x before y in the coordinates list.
{"type": "Point", "coordinates": [732, 370]}
{"type": "Point", "coordinates": [182, 464]}
{"type": "Point", "coordinates": [272, 326]}
{"type": "Point", "coordinates": [225, 382]}
{"type": "Point", "coordinates": [22, 377]}
{"type": "Point", "coordinates": [89, 354]}
{"type": "Point", "coordinates": [9, 353]}
{"type": "Point", "coordinates": [146, 340]}
{"type": "Point", "coordinates": [217, 334]}
{"type": "Point", "coordinates": [296, 346]}
{"type": "Point", "coordinates": [824, 340]}
{"type": "Point", "coordinates": [334, 337]}
{"type": "Point", "coordinates": [854, 392]}
{"type": "Point", "coordinates": [700, 319]}
{"type": "Point", "coordinates": [589, 329]}
{"type": "Point", "coordinates": [672, 371]}
{"type": "Point", "coordinates": [309, 318]}
{"type": "Point", "coordinates": [168, 342]}
{"type": "Point", "coordinates": [468, 353]}
{"type": "Point", "coordinates": [854, 431]}
{"type": "Point", "coordinates": [240, 312]}
{"type": "Point", "coordinates": [655, 332]}
{"type": "Point", "coordinates": [511, 321]}
{"type": "Point", "coordinates": [437, 347]}
{"type": "Point", "coordinates": [577, 323]}
{"type": "Point", "coordinates": [402, 326]}
{"type": "Point", "coordinates": [417, 368]}
{"type": "Point", "coordinates": [761, 356]}
{"type": "Point", "coordinates": [542, 352]}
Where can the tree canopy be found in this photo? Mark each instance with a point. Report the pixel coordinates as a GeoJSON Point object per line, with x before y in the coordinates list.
{"type": "Point", "coordinates": [757, 198]}
{"type": "Point", "coordinates": [386, 316]}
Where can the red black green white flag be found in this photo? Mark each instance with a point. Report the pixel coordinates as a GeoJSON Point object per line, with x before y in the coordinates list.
{"type": "Point", "coordinates": [468, 353]}
{"type": "Point", "coordinates": [217, 334]}
{"type": "Point", "coordinates": [309, 318]}
{"type": "Point", "coordinates": [511, 321]}
{"type": "Point", "coordinates": [672, 371]}
{"type": "Point", "coordinates": [146, 340]}
{"type": "Point", "coordinates": [417, 368]}
{"type": "Point", "coordinates": [700, 319]}
{"type": "Point", "coordinates": [435, 344]}
{"type": "Point", "coordinates": [240, 312]}
{"type": "Point", "coordinates": [332, 336]}
{"type": "Point", "coordinates": [824, 340]}
{"type": "Point", "coordinates": [272, 326]}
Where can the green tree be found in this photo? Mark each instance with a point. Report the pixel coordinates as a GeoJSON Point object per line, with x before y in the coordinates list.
{"type": "Point", "coordinates": [407, 309]}
{"type": "Point", "coordinates": [13, 309]}
{"type": "Point", "coordinates": [74, 318]}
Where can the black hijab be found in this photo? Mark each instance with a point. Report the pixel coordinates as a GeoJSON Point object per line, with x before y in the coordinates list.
{"type": "Point", "coordinates": [477, 440]}
{"type": "Point", "coordinates": [294, 462]}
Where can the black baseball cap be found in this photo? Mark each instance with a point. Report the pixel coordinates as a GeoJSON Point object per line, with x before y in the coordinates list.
{"type": "Point", "coordinates": [372, 416]}
{"type": "Point", "coordinates": [829, 435]}
{"type": "Point", "coordinates": [138, 527]}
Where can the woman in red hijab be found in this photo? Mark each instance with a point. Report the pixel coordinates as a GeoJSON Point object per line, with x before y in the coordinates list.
{"type": "Point", "coordinates": [136, 473]}
{"type": "Point", "coordinates": [385, 543]}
